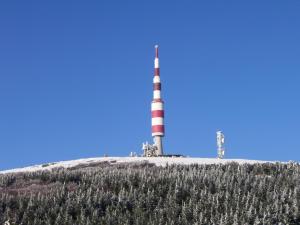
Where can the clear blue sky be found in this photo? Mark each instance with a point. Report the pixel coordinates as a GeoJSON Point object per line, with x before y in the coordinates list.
{"type": "Point", "coordinates": [76, 78]}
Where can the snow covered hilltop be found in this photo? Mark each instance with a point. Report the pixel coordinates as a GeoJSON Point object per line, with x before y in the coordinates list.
{"type": "Point", "coordinates": [158, 161]}
{"type": "Point", "coordinates": [133, 191]}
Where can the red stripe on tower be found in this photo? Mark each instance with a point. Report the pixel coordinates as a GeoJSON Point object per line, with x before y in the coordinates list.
{"type": "Point", "coordinates": [158, 129]}
{"type": "Point", "coordinates": [157, 86]}
{"type": "Point", "coordinates": [157, 113]}
{"type": "Point", "coordinates": [156, 71]}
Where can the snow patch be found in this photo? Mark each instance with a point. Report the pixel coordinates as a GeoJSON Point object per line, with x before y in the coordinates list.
{"type": "Point", "coordinates": [158, 161]}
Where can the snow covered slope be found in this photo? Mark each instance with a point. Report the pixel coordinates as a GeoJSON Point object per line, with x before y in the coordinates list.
{"type": "Point", "coordinates": [159, 161]}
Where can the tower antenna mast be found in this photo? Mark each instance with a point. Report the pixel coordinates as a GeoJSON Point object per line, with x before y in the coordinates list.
{"type": "Point", "coordinates": [220, 144]}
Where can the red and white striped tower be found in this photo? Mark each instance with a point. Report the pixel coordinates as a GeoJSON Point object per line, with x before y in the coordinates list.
{"type": "Point", "coordinates": [157, 108]}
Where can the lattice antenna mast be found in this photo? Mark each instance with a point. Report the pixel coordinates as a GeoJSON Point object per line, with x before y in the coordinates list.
{"type": "Point", "coordinates": [220, 144]}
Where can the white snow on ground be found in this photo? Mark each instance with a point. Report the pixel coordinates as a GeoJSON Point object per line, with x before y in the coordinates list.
{"type": "Point", "coordinates": [159, 161]}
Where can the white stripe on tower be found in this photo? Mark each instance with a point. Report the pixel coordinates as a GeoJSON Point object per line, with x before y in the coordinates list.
{"type": "Point", "coordinates": [157, 107]}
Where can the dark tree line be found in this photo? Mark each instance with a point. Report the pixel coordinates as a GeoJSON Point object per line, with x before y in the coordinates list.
{"type": "Point", "coordinates": [140, 194]}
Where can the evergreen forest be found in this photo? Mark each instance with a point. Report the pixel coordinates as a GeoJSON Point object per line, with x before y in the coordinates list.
{"type": "Point", "coordinates": [138, 194]}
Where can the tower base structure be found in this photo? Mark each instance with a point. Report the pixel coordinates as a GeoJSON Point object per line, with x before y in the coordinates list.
{"type": "Point", "coordinates": [155, 149]}
{"type": "Point", "coordinates": [158, 143]}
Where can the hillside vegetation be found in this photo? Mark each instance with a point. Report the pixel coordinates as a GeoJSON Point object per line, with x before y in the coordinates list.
{"type": "Point", "coordinates": [142, 193]}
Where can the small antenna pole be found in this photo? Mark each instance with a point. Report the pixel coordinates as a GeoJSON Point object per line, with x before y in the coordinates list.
{"type": "Point", "coordinates": [220, 144]}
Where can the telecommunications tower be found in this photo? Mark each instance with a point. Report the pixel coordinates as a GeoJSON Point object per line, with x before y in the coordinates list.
{"type": "Point", "coordinates": [157, 108]}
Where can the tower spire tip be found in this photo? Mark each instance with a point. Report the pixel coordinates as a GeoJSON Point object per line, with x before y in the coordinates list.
{"type": "Point", "coordinates": [156, 51]}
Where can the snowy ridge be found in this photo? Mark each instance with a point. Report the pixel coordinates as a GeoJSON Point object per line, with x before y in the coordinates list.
{"type": "Point", "coordinates": [159, 161]}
